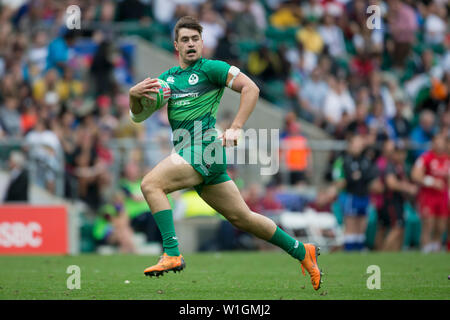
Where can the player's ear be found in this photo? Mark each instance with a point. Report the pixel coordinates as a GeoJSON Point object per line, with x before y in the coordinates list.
{"type": "Point", "coordinates": [175, 44]}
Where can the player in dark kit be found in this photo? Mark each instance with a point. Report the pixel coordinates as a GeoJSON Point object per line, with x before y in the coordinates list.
{"type": "Point", "coordinates": [397, 188]}
{"type": "Point", "coordinates": [359, 178]}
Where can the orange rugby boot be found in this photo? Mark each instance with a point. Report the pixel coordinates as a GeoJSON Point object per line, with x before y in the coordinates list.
{"type": "Point", "coordinates": [310, 264]}
{"type": "Point", "coordinates": [165, 264]}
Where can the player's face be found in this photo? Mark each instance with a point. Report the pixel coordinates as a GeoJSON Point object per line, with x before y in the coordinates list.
{"type": "Point", "coordinates": [356, 145]}
{"type": "Point", "coordinates": [189, 45]}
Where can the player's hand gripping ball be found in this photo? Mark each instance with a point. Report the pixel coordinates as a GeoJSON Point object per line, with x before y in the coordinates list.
{"type": "Point", "coordinates": [161, 97]}
{"type": "Point", "coordinates": [151, 98]}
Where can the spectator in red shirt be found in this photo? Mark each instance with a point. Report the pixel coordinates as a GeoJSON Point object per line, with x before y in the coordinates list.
{"type": "Point", "coordinates": [362, 66]}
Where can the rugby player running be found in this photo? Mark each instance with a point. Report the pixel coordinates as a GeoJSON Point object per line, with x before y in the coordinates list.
{"type": "Point", "coordinates": [197, 85]}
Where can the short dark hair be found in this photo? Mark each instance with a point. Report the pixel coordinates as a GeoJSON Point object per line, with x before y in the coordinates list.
{"type": "Point", "coordinates": [187, 22]}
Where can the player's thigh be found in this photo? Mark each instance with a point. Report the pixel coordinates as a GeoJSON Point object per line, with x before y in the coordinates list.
{"type": "Point", "coordinates": [362, 223]}
{"type": "Point", "coordinates": [171, 174]}
{"type": "Point", "coordinates": [440, 224]}
{"type": "Point", "coordinates": [427, 223]}
{"type": "Point", "coordinates": [350, 224]}
{"type": "Point", "coordinates": [226, 199]}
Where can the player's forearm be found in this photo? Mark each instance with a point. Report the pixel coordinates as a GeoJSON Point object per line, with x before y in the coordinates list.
{"type": "Point", "coordinates": [417, 175]}
{"type": "Point", "coordinates": [376, 186]}
{"type": "Point", "coordinates": [424, 180]}
{"type": "Point", "coordinates": [249, 97]}
{"type": "Point", "coordinates": [135, 106]}
{"type": "Point", "coordinates": [335, 188]}
{"type": "Point", "coordinates": [394, 184]}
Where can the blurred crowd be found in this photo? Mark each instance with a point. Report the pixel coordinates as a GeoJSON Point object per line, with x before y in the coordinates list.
{"type": "Point", "coordinates": [64, 93]}
{"type": "Point", "coordinates": [324, 60]}
{"type": "Point", "coordinates": [328, 62]}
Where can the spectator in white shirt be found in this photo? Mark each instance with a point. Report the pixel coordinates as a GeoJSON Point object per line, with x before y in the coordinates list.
{"type": "Point", "coordinates": [37, 55]}
{"type": "Point", "coordinates": [312, 96]}
{"type": "Point", "coordinates": [44, 150]}
{"type": "Point", "coordinates": [338, 102]}
{"type": "Point", "coordinates": [10, 117]}
{"type": "Point", "coordinates": [435, 27]}
{"type": "Point", "coordinates": [213, 30]}
{"type": "Point", "coordinates": [332, 36]}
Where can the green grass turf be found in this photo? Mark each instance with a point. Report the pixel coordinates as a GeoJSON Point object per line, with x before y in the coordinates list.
{"type": "Point", "coordinates": [230, 275]}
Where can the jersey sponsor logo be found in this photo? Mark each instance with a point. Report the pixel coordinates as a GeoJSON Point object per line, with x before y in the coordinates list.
{"type": "Point", "coordinates": [439, 168]}
{"type": "Point", "coordinates": [170, 79]}
{"type": "Point", "coordinates": [185, 95]}
{"type": "Point", "coordinates": [193, 79]}
{"type": "Point", "coordinates": [19, 234]}
{"type": "Point", "coordinates": [356, 175]}
{"type": "Point", "coordinates": [181, 103]}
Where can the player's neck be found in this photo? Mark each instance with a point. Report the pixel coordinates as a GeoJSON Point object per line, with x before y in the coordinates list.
{"type": "Point", "coordinates": [184, 65]}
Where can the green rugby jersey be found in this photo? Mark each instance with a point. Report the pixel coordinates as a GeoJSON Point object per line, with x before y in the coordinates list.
{"type": "Point", "coordinates": [195, 95]}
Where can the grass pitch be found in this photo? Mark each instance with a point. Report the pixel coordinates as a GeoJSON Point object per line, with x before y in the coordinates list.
{"type": "Point", "coordinates": [224, 276]}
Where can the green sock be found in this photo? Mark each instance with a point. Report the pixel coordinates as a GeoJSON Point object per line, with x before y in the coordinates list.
{"type": "Point", "coordinates": [294, 247]}
{"type": "Point", "coordinates": [164, 220]}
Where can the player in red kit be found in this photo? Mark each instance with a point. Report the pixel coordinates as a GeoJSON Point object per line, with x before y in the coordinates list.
{"type": "Point", "coordinates": [431, 172]}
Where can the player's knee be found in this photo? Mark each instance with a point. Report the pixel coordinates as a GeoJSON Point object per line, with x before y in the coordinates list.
{"type": "Point", "coordinates": [150, 185]}
{"type": "Point", "coordinates": [233, 220]}
{"type": "Point", "coordinates": [241, 222]}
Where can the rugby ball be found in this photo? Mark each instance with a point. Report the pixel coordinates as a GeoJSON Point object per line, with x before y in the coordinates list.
{"type": "Point", "coordinates": [161, 97]}
{"type": "Point", "coordinates": [149, 106]}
